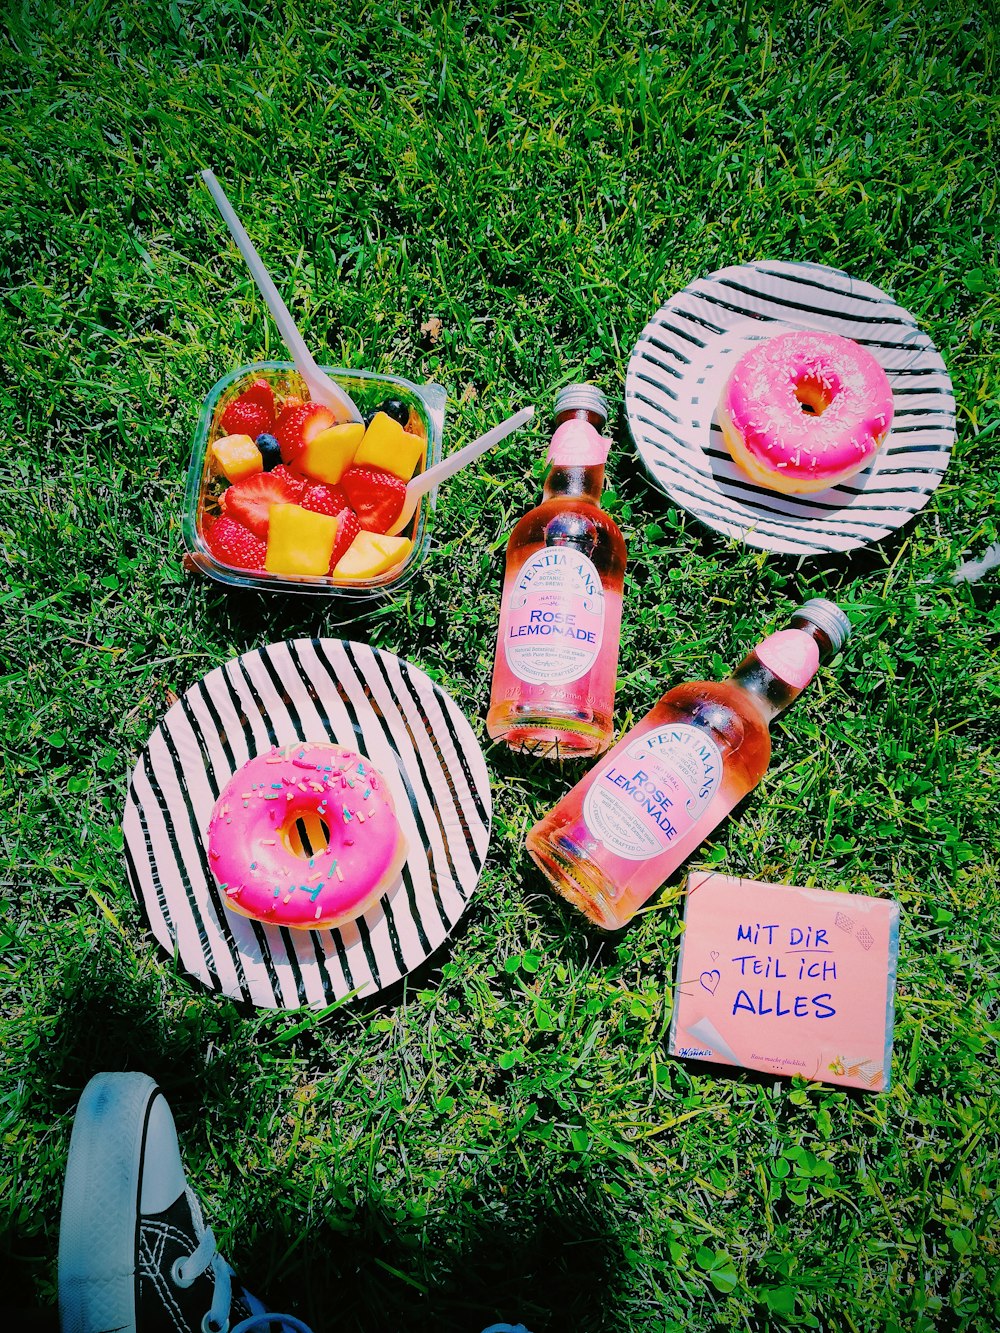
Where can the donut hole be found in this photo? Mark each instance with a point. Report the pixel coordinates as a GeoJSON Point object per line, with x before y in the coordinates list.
{"type": "Point", "coordinates": [814, 395]}
{"type": "Point", "coordinates": [306, 835]}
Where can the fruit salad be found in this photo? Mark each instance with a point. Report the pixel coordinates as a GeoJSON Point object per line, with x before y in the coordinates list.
{"type": "Point", "coordinates": [286, 494]}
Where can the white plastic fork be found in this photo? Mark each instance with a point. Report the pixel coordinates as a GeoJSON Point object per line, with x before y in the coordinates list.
{"type": "Point", "coordinates": [426, 481]}
{"type": "Point", "coordinates": [321, 388]}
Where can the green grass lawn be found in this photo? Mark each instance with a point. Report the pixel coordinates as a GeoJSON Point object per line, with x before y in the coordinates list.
{"type": "Point", "coordinates": [504, 1137]}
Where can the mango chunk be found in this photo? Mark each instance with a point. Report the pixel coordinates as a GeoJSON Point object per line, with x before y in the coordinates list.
{"type": "Point", "coordinates": [370, 554]}
{"type": "Point", "coordinates": [329, 454]}
{"type": "Point", "coordinates": [387, 445]}
{"type": "Point", "coordinates": [237, 456]}
{"type": "Point", "coordinates": [298, 540]}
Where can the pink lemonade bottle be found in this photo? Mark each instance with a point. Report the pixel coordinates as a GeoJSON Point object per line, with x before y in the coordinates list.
{"type": "Point", "coordinates": [560, 615]}
{"type": "Point", "coordinates": [615, 838]}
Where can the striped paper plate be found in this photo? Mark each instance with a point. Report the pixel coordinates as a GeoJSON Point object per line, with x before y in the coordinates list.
{"type": "Point", "coordinates": [309, 689]}
{"type": "Point", "coordinates": [681, 363]}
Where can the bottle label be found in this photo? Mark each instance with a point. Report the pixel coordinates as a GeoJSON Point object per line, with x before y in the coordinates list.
{"type": "Point", "coordinates": [555, 623]}
{"type": "Point", "coordinates": [654, 791]}
{"type": "Point", "coordinates": [577, 444]}
{"type": "Point", "coordinates": [791, 656]}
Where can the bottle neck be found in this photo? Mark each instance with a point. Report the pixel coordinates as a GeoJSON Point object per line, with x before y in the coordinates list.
{"type": "Point", "coordinates": [770, 694]}
{"type": "Point", "coordinates": [574, 483]}
{"type": "Point", "coordinates": [596, 419]}
{"type": "Point", "coordinates": [780, 668]}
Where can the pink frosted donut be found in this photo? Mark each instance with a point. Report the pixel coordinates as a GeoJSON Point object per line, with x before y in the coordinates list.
{"type": "Point", "coordinates": [352, 851]}
{"type": "Point", "coordinates": [804, 411]}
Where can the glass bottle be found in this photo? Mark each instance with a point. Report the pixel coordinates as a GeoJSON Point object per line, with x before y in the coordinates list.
{"type": "Point", "coordinates": [560, 615]}
{"type": "Point", "coordinates": [614, 839]}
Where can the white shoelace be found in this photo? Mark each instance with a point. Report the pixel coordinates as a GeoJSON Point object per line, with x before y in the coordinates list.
{"type": "Point", "coordinates": [206, 1256]}
{"type": "Point", "coordinates": [265, 1322]}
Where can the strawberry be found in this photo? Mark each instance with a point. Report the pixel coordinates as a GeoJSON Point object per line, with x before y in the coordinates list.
{"type": "Point", "coordinates": [261, 392]}
{"type": "Point", "coordinates": [298, 424]}
{"type": "Point", "coordinates": [375, 495]}
{"type": "Point", "coordinates": [249, 500]}
{"type": "Point", "coordinates": [324, 499]}
{"type": "Point", "coordinates": [348, 528]}
{"type": "Point", "coordinates": [233, 544]}
{"type": "Point", "coordinates": [243, 416]}
{"type": "Point", "coordinates": [295, 481]}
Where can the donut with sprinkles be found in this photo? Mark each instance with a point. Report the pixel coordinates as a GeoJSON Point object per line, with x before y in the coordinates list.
{"type": "Point", "coordinates": [804, 411]}
{"type": "Point", "coordinates": [305, 836]}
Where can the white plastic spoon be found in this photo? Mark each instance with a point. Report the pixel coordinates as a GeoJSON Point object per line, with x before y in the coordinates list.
{"type": "Point", "coordinates": [426, 481]}
{"type": "Point", "coordinates": [321, 388]}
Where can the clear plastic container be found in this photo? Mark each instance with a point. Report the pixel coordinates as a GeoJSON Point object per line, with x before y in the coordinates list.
{"type": "Point", "coordinates": [426, 401]}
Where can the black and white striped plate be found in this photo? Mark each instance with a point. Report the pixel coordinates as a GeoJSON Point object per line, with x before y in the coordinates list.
{"type": "Point", "coordinates": [308, 689]}
{"type": "Point", "coordinates": [684, 356]}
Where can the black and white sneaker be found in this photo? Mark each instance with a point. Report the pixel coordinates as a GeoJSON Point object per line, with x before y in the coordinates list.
{"type": "Point", "coordinates": [135, 1255]}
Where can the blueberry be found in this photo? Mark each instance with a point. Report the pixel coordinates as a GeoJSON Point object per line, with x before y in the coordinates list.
{"type": "Point", "coordinates": [395, 408]}
{"type": "Point", "coordinates": [270, 451]}
{"type": "Point", "coordinates": [368, 417]}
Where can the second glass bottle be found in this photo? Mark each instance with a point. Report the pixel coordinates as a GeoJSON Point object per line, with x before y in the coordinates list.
{"type": "Point", "coordinates": [627, 825]}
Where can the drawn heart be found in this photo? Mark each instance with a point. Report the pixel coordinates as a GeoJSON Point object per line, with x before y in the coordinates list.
{"type": "Point", "coordinates": [710, 980]}
{"type": "Point", "coordinates": [714, 955]}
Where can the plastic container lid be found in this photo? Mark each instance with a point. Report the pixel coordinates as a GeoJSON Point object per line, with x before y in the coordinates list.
{"type": "Point", "coordinates": [828, 617]}
{"type": "Point", "coordinates": [587, 397]}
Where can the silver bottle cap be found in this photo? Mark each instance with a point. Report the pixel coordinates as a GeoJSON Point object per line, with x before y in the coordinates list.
{"type": "Point", "coordinates": [586, 396]}
{"type": "Point", "coordinates": [828, 617]}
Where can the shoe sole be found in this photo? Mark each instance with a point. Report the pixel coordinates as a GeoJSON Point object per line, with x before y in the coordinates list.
{"type": "Point", "coordinates": [98, 1227]}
